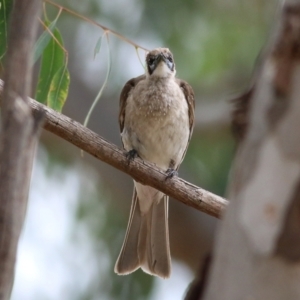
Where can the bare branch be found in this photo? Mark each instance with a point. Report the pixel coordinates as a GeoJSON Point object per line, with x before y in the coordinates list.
{"type": "Point", "coordinates": [141, 171]}
{"type": "Point", "coordinates": [18, 137]}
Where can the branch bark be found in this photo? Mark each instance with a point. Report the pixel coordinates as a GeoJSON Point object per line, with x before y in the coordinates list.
{"type": "Point", "coordinates": [141, 171]}
{"type": "Point", "coordinates": [18, 138]}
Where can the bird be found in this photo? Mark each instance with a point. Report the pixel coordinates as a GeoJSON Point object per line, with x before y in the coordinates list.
{"type": "Point", "coordinates": [156, 120]}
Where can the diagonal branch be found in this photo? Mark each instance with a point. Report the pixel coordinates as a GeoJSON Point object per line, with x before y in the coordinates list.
{"type": "Point", "coordinates": [141, 171]}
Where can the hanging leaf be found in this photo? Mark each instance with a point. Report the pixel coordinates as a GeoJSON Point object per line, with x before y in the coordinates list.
{"type": "Point", "coordinates": [5, 9]}
{"type": "Point", "coordinates": [59, 88]}
{"type": "Point", "coordinates": [43, 41]}
{"type": "Point", "coordinates": [98, 46]}
{"type": "Point", "coordinates": [87, 118]}
{"type": "Point", "coordinates": [54, 78]}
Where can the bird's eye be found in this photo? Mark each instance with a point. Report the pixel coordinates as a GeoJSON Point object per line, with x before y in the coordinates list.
{"type": "Point", "coordinates": [151, 61]}
{"type": "Point", "coordinates": [170, 58]}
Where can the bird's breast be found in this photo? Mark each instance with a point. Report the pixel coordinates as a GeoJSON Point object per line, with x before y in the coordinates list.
{"type": "Point", "coordinates": [157, 123]}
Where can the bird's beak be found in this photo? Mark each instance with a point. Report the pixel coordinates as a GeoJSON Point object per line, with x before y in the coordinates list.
{"type": "Point", "coordinates": [160, 58]}
{"type": "Point", "coordinates": [155, 62]}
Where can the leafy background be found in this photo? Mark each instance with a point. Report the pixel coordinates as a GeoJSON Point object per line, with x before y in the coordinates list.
{"type": "Point", "coordinates": [78, 207]}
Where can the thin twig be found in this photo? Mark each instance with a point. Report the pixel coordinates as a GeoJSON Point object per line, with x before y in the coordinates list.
{"type": "Point", "coordinates": [52, 35]}
{"type": "Point", "coordinates": [95, 102]}
{"type": "Point", "coordinates": [120, 36]}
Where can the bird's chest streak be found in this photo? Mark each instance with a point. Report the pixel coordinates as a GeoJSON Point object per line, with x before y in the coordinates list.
{"type": "Point", "coordinates": [156, 125]}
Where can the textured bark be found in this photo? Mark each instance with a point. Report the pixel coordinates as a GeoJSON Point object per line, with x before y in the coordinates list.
{"type": "Point", "coordinates": [19, 130]}
{"type": "Point", "coordinates": [197, 287]}
{"type": "Point", "coordinates": [257, 250]}
{"type": "Point", "coordinates": [141, 171]}
{"type": "Point", "coordinates": [240, 115]}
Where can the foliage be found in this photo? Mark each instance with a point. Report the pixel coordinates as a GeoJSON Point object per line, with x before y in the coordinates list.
{"type": "Point", "coordinates": [54, 78]}
{"type": "Point", "coordinates": [5, 9]}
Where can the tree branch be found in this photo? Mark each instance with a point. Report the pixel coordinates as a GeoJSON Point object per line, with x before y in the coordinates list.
{"type": "Point", "coordinates": [141, 171]}
{"type": "Point", "coordinates": [18, 137]}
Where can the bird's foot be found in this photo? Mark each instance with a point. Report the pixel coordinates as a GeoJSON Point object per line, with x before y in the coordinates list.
{"type": "Point", "coordinates": [131, 155]}
{"type": "Point", "coordinates": [171, 173]}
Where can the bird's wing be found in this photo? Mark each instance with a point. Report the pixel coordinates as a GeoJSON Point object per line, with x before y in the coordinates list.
{"type": "Point", "coordinates": [124, 95]}
{"type": "Point", "coordinates": [190, 99]}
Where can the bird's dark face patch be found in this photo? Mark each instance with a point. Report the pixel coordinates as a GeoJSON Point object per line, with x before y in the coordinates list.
{"type": "Point", "coordinates": [154, 58]}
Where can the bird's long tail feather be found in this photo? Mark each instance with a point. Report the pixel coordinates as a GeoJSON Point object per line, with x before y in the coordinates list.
{"type": "Point", "coordinates": [146, 242]}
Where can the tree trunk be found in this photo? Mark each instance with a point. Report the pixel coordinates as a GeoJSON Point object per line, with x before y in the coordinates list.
{"type": "Point", "coordinates": [19, 131]}
{"type": "Point", "coordinates": [258, 247]}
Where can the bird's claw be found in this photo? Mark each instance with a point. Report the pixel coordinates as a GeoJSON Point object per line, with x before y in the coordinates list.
{"type": "Point", "coordinates": [171, 173]}
{"type": "Point", "coordinates": [131, 155]}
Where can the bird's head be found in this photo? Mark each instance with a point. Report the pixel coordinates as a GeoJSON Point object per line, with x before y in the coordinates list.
{"type": "Point", "coordinates": [160, 63]}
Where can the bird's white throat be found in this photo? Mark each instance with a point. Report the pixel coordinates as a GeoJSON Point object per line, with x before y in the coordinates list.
{"type": "Point", "coordinates": [162, 70]}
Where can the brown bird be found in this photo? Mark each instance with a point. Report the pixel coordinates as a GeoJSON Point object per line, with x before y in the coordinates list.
{"type": "Point", "coordinates": [156, 122]}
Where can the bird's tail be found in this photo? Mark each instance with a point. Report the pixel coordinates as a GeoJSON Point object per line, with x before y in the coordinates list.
{"type": "Point", "coordinates": [146, 242]}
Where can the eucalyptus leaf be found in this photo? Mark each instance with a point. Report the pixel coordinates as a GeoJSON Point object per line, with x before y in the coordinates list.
{"type": "Point", "coordinates": [54, 77]}
{"type": "Point", "coordinates": [59, 88]}
{"type": "Point", "coordinates": [98, 46]}
{"type": "Point", "coordinates": [43, 41]}
{"type": "Point", "coordinates": [5, 9]}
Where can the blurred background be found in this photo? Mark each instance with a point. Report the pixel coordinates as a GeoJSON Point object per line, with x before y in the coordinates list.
{"type": "Point", "coordinates": [79, 207]}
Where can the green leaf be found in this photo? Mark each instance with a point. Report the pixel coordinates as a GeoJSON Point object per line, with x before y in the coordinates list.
{"type": "Point", "coordinates": [54, 77]}
{"type": "Point", "coordinates": [98, 46]}
{"type": "Point", "coordinates": [59, 88]}
{"type": "Point", "coordinates": [43, 41]}
{"type": "Point", "coordinates": [5, 9]}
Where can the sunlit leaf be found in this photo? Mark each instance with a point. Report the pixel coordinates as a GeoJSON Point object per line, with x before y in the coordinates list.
{"type": "Point", "coordinates": [5, 9]}
{"type": "Point", "coordinates": [54, 77]}
{"type": "Point", "coordinates": [59, 88]}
